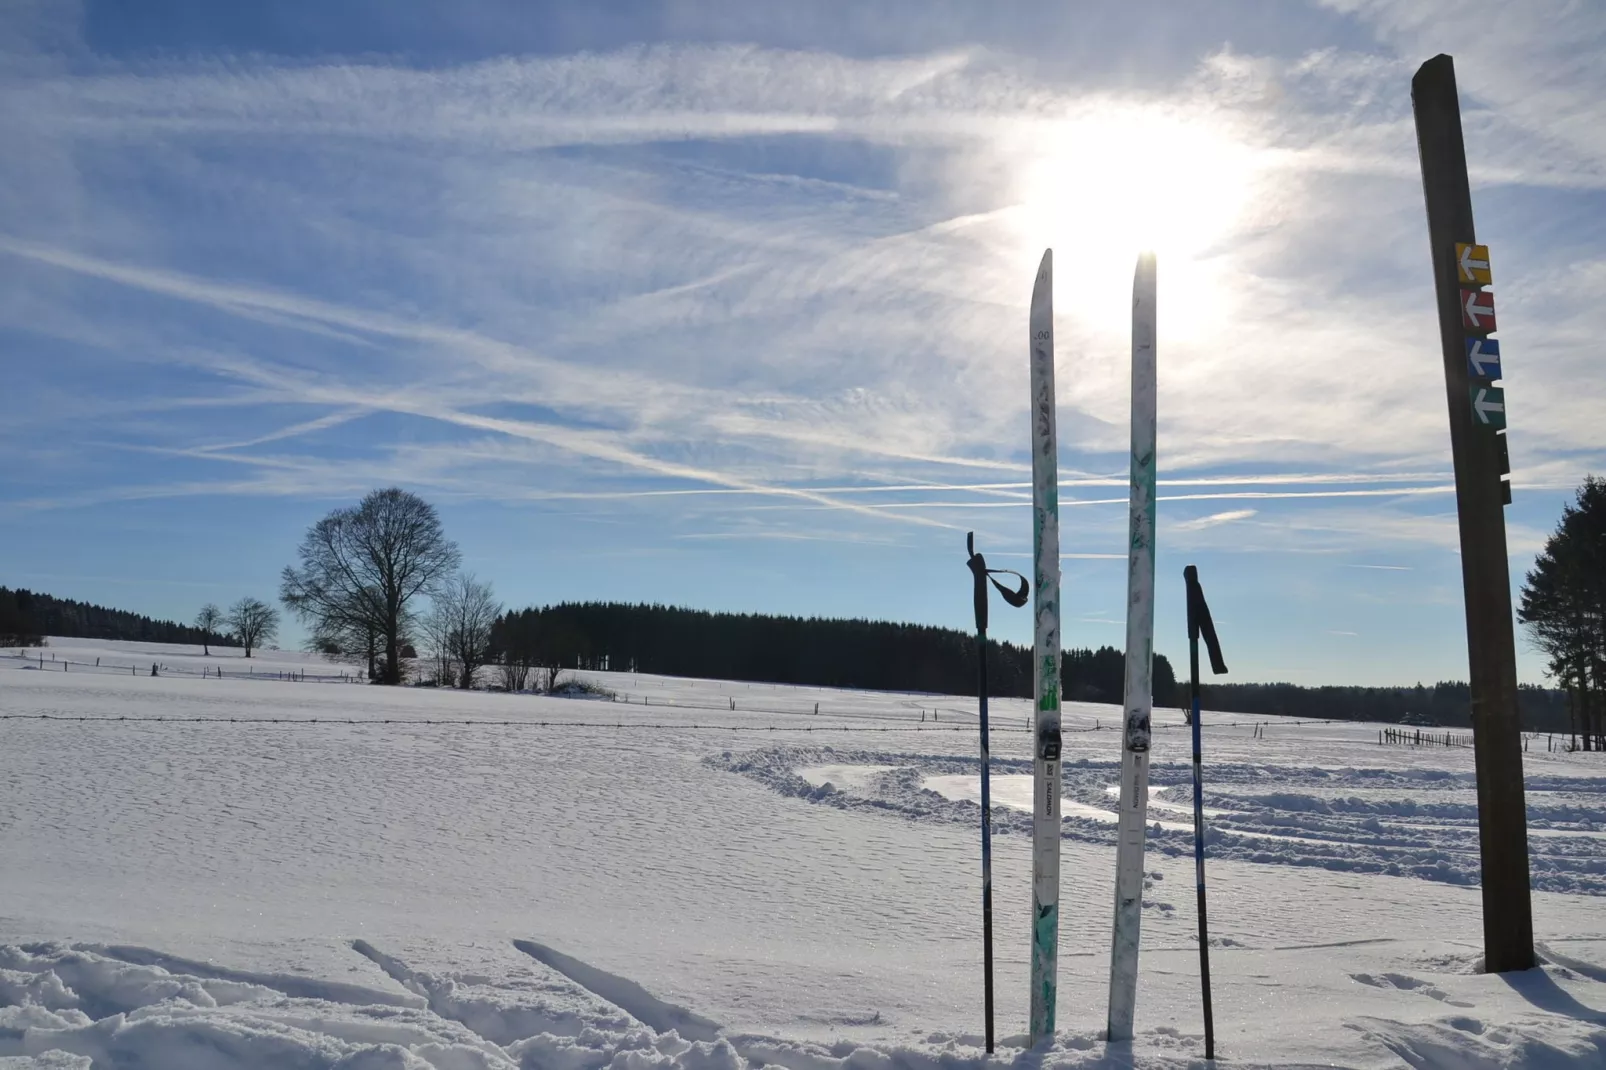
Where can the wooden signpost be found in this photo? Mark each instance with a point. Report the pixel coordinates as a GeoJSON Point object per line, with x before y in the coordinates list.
{"type": "Point", "coordinates": [1461, 271]}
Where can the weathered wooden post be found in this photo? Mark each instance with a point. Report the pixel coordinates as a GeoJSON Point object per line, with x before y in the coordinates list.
{"type": "Point", "coordinates": [1461, 270]}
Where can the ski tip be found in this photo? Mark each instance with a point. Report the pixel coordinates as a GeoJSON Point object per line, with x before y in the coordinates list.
{"type": "Point", "coordinates": [1043, 288]}
{"type": "Point", "coordinates": [1146, 262]}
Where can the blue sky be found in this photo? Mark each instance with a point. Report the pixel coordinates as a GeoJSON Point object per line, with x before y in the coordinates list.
{"type": "Point", "coordinates": [724, 304]}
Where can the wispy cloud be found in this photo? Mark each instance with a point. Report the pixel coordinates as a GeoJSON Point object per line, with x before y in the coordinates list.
{"type": "Point", "coordinates": [1214, 519]}
{"type": "Point", "coordinates": [1067, 556]}
{"type": "Point", "coordinates": [305, 427]}
{"type": "Point", "coordinates": [779, 295]}
{"type": "Point", "coordinates": [730, 94]}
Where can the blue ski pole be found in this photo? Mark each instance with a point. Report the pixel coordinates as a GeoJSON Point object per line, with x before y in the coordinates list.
{"type": "Point", "coordinates": [1199, 622]}
{"type": "Point", "coordinates": [982, 574]}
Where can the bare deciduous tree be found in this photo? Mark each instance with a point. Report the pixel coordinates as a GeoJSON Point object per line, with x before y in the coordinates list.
{"type": "Point", "coordinates": [253, 621]}
{"type": "Point", "coordinates": [459, 626]}
{"type": "Point", "coordinates": [209, 620]}
{"type": "Point", "coordinates": [515, 673]}
{"type": "Point", "coordinates": [547, 671]}
{"type": "Point", "coordinates": [361, 567]}
{"type": "Point", "coordinates": [351, 641]}
{"type": "Point", "coordinates": [435, 629]}
{"type": "Point", "coordinates": [529, 646]}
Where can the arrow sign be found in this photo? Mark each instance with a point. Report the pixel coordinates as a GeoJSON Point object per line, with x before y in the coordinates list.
{"type": "Point", "coordinates": [1489, 406]}
{"type": "Point", "coordinates": [1472, 264]}
{"type": "Point", "coordinates": [1477, 311]}
{"type": "Point", "coordinates": [1483, 358]}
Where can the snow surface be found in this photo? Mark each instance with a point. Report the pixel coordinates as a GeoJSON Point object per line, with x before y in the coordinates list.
{"type": "Point", "coordinates": [729, 889]}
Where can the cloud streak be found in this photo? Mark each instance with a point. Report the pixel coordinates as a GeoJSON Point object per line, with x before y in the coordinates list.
{"type": "Point", "coordinates": [748, 298]}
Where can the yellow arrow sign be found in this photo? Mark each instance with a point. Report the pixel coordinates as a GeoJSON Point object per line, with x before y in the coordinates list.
{"type": "Point", "coordinates": [1472, 264]}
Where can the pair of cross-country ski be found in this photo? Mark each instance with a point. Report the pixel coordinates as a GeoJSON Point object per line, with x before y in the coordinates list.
{"type": "Point", "coordinates": [1134, 783]}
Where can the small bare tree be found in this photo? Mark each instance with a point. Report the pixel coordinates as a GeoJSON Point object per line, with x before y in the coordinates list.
{"type": "Point", "coordinates": [515, 672]}
{"type": "Point", "coordinates": [435, 631]}
{"type": "Point", "coordinates": [253, 621]}
{"type": "Point", "coordinates": [460, 625]}
{"type": "Point", "coordinates": [209, 620]}
{"type": "Point", "coordinates": [547, 673]}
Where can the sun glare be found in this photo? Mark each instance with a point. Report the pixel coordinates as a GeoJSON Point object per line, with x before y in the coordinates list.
{"type": "Point", "coordinates": [1102, 188]}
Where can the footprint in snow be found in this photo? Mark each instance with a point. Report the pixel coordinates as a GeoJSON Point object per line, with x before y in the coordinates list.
{"type": "Point", "coordinates": [1403, 983]}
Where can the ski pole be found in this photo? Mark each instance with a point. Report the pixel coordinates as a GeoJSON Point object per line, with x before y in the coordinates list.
{"type": "Point", "coordinates": [980, 574]}
{"type": "Point", "coordinates": [1199, 621]}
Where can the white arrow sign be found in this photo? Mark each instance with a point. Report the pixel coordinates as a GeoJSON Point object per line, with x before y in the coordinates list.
{"type": "Point", "coordinates": [1470, 266]}
{"type": "Point", "coordinates": [1477, 310]}
{"type": "Point", "coordinates": [1483, 407]}
{"type": "Point", "coordinates": [1483, 358]}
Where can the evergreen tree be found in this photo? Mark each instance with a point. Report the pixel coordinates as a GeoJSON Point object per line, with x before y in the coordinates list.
{"type": "Point", "coordinates": [1563, 607]}
{"type": "Point", "coordinates": [876, 655]}
{"type": "Point", "coordinates": [27, 616]}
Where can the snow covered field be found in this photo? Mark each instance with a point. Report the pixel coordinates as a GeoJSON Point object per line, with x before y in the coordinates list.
{"type": "Point", "coordinates": [663, 882]}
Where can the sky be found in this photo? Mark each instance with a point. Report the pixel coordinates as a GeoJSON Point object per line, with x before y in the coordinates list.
{"type": "Point", "coordinates": [724, 305]}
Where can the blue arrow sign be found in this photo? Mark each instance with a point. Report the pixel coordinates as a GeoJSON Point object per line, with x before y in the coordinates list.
{"type": "Point", "coordinates": [1483, 358]}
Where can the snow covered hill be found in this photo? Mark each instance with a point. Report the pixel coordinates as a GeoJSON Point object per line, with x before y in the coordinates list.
{"type": "Point", "coordinates": [129, 658]}
{"type": "Point", "coordinates": [437, 879]}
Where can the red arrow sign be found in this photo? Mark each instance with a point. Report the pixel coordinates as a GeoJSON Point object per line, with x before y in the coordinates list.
{"type": "Point", "coordinates": [1477, 311]}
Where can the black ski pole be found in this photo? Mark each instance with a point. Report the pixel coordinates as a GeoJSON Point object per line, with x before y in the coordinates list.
{"type": "Point", "coordinates": [1199, 621]}
{"type": "Point", "coordinates": [981, 574]}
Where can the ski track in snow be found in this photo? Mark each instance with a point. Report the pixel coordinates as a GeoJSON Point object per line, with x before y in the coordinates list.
{"type": "Point", "coordinates": [635, 1000]}
{"type": "Point", "coordinates": [73, 1007]}
{"type": "Point", "coordinates": [1356, 819]}
{"type": "Point", "coordinates": [452, 897]}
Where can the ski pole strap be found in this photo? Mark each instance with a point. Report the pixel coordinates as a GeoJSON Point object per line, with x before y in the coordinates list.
{"type": "Point", "coordinates": [1199, 622]}
{"type": "Point", "coordinates": [1016, 598]}
{"type": "Point", "coordinates": [978, 569]}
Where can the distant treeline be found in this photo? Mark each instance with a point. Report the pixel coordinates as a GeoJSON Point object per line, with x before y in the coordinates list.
{"type": "Point", "coordinates": [26, 617]}
{"type": "Point", "coordinates": [886, 656]}
{"type": "Point", "coordinates": [822, 652]}
{"type": "Point", "coordinates": [875, 655]}
{"type": "Point", "coordinates": [1445, 703]}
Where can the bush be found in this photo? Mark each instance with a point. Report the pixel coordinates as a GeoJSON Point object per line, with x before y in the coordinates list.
{"type": "Point", "coordinates": [576, 688]}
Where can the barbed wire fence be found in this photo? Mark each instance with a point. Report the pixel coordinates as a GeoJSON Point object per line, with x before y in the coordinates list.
{"type": "Point", "coordinates": [491, 722]}
{"type": "Point", "coordinates": [37, 660]}
{"type": "Point", "coordinates": [966, 717]}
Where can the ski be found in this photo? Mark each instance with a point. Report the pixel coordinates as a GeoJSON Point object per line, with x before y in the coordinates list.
{"type": "Point", "coordinates": [1046, 659]}
{"type": "Point", "coordinates": [1134, 798]}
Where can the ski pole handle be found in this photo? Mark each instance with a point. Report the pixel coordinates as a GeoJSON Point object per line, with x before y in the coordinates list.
{"type": "Point", "coordinates": [1199, 623]}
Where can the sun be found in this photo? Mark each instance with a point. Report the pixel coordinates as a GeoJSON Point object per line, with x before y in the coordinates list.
{"type": "Point", "coordinates": [1119, 180]}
